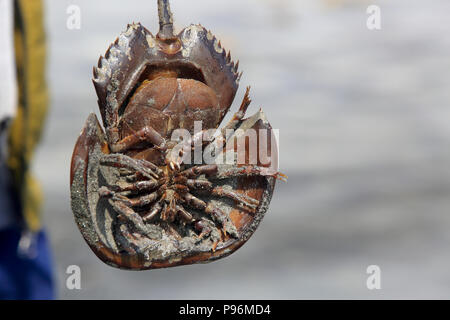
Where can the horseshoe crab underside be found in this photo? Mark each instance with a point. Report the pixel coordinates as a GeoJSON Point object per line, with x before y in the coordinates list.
{"type": "Point", "coordinates": [165, 244]}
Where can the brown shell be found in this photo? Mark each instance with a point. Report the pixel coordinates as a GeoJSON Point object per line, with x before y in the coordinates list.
{"type": "Point", "coordinates": [170, 103]}
{"type": "Point", "coordinates": [165, 82]}
{"type": "Point", "coordinates": [136, 53]}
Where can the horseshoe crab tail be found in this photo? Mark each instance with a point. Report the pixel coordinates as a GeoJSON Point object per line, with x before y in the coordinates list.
{"type": "Point", "coordinates": [165, 20]}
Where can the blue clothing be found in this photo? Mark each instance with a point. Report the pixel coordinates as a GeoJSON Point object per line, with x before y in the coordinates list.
{"type": "Point", "coordinates": [25, 277]}
{"type": "Point", "coordinates": [25, 261]}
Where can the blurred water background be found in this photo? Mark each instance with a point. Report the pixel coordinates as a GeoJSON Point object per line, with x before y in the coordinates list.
{"type": "Point", "coordinates": [364, 138]}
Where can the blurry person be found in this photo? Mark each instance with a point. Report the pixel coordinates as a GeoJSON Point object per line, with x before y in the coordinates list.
{"type": "Point", "coordinates": [25, 263]}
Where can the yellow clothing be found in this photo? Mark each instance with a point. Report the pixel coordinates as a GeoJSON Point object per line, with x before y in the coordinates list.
{"type": "Point", "coordinates": [26, 127]}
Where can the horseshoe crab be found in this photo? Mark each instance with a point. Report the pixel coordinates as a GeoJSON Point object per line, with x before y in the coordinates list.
{"type": "Point", "coordinates": [139, 200]}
